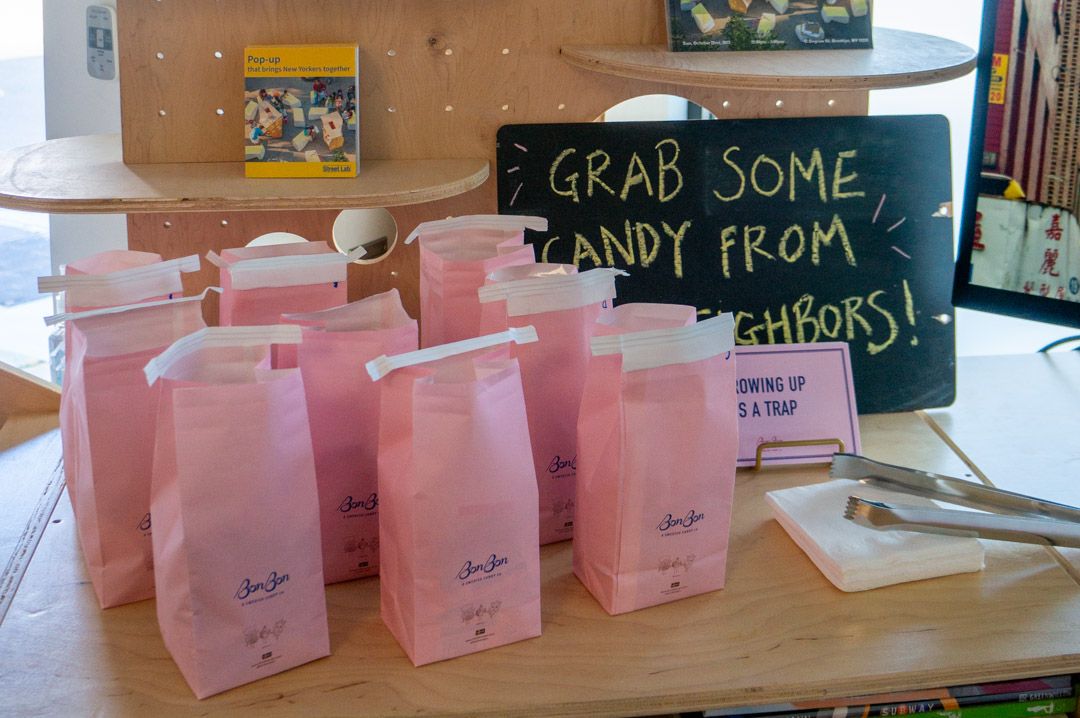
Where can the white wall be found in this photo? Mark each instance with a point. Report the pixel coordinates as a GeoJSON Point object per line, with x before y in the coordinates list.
{"type": "Point", "coordinates": [77, 104]}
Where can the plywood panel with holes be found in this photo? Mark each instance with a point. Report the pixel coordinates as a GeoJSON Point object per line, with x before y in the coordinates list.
{"type": "Point", "coordinates": [179, 234]}
{"type": "Point", "coordinates": [437, 79]}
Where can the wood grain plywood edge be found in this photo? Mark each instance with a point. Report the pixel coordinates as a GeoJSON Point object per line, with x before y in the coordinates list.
{"type": "Point", "coordinates": [23, 393]}
{"type": "Point", "coordinates": [731, 698]}
{"type": "Point", "coordinates": [853, 686]}
{"type": "Point", "coordinates": [86, 175]}
{"type": "Point", "coordinates": [21, 428]}
{"type": "Point", "coordinates": [901, 59]}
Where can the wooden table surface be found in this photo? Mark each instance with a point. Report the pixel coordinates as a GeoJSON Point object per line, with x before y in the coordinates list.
{"type": "Point", "coordinates": [1031, 450]}
{"type": "Point", "coordinates": [779, 630]}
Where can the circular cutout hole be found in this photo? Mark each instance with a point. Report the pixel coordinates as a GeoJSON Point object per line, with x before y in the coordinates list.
{"type": "Point", "coordinates": [779, 103]}
{"type": "Point", "coordinates": [218, 54]}
{"type": "Point", "coordinates": [220, 111]}
{"type": "Point", "coordinates": [562, 106]}
{"type": "Point", "coordinates": [373, 229]}
{"type": "Point", "coordinates": [449, 108]}
{"type": "Point", "coordinates": [832, 103]}
{"type": "Point", "coordinates": [391, 109]}
{"type": "Point", "coordinates": [391, 53]}
{"type": "Point", "coordinates": [269, 238]}
{"type": "Point", "coordinates": [506, 51]}
{"type": "Point", "coordinates": [656, 108]}
{"type": "Point", "coordinates": [161, 56]}
{"type": "Point", "coordinates": [725, 103]}
{"type": "Point", "coordinates": [505, 107]}
{"type": "Point", "coordinates": [448, 51]}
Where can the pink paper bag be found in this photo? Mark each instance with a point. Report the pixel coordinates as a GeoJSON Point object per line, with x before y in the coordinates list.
{"type": "Point", "coordinates": [259, 284]}
{"type": "Point", "coordinates": [109, 427]}
{"type": "Point", "coordinates": [494, 315]}
{"type": "Point", "coordinates": [563, 308]}
{"type": "Point", "coordinates": [343, 409]}
{"type": "Point", "coordinates": [118, 277]}
{"type": "Point", "coordinates": [112, 260]}
{"type": "Point", "coordinates": [107, 279]}
{"type": "Point", "coordinates": [237, 557]}
{"type": "Point", "coordinates": [455, 256]}
{"type": "Point", "coordinates": [460, 564]}
{"type": "Point", "coordinates": [657, 443]}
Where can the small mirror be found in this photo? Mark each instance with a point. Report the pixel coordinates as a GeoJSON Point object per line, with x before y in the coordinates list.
{"type": "Point", "coordinates": [1020, 239]}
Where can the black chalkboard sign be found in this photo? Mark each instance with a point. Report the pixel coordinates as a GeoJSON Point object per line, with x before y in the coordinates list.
{"type": "Point", "coordinates": [808, 229]}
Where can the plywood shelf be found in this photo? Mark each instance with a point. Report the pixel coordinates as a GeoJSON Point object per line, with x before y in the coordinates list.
{"type": "Point", "coordinates": [87, 175]}
{"type": "Point", "coordinates": [899, 59]}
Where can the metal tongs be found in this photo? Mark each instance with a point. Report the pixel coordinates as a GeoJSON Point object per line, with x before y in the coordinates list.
{"type": "Point", "coordinates": [1027, 520]}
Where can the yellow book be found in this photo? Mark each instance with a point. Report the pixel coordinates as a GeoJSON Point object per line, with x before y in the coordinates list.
{"type": "Point", "coordinates": [302, 94]}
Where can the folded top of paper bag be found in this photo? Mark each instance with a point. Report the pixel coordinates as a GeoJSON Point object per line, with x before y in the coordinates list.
{"type": "Point", "coordinates": [855, 558]}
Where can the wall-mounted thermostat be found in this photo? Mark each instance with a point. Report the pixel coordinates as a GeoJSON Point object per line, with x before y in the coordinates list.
{"type": "Point", "coordinates": [101, 42]}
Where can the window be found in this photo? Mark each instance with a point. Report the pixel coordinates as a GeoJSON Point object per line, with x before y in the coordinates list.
{"type": "Point", "coordinates": [24, 236]}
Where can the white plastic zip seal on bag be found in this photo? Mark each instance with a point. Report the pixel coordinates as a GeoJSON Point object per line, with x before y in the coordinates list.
{"type": "Point", "coordinates": [287, 271]}
{"type": "Point", "coordinates": [678, 345]}
{"type": "Point", "coordinates": [496, 222]}
{"type": "Point", "coordinates": [240, 336]}
{"type": "Point", "coordinates": [70, 316]}
{"type": "Point", "coordinates": [380, 367]}
{"type": "Point", "coordinates": [552, 293]}
{"type": "Point", "coordinates": [151, 280]}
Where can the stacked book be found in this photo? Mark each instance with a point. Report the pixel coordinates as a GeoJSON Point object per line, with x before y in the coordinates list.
{"type": "Point", "coordinates": [1026, 698]}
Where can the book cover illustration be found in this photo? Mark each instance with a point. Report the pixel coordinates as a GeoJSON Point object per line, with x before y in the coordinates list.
{"type": "Point", "coordinates": [707, 25]}
{"type": "Point", "coordinates": [300, 117]}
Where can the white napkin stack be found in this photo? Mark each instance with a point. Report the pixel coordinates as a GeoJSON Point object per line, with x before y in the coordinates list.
{"type": "Point", "coordinates": [856, 558]}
